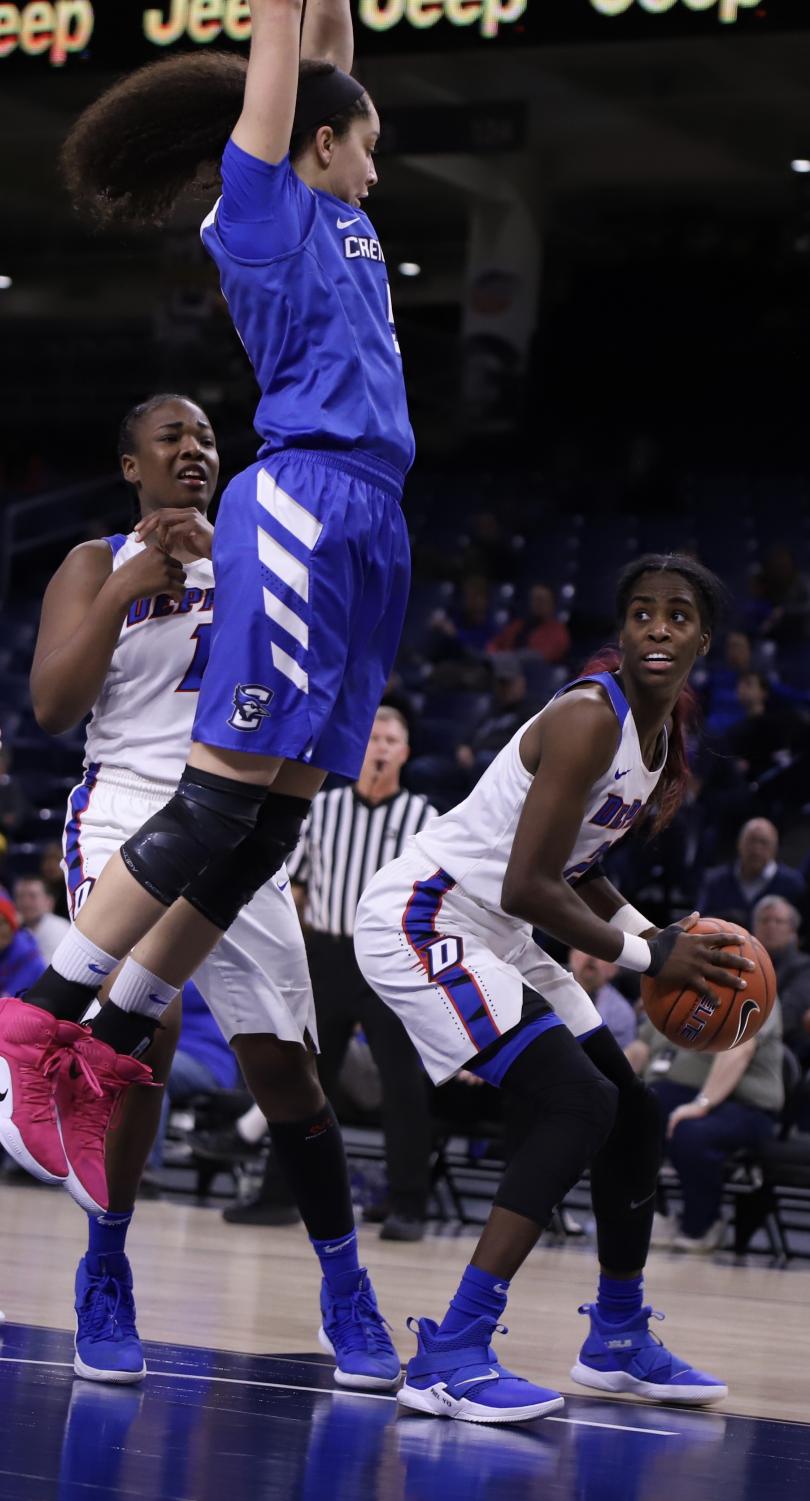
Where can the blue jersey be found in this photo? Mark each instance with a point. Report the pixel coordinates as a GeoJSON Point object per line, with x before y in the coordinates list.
{"type": "Point", "coordinates": [307, 288]}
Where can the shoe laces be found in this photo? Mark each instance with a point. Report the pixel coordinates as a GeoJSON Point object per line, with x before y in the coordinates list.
{"type": "Point", "coordinates": [363, 1327]}
{"type": "Point", "coordinates": [108, 1308]}
{"type": "Point", "coordinates": [98, 1099]}
{"type": "Point", "coordinates": [40, 1079]}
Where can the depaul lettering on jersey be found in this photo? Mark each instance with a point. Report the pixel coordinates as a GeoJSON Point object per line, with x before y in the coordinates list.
{"type": "Point", "coordinates": [615, 813]}
{"type": "Point", "coordinates": [162, 605]}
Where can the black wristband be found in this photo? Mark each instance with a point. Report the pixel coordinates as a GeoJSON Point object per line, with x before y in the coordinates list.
{"type": "Point", "coordinates": [661, 947]}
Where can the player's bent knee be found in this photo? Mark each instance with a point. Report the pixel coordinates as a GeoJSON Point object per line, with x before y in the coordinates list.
{"type": "Point", "coordinates": [207, 817]}
{"type": "Point", "coordinates": [222, 890]}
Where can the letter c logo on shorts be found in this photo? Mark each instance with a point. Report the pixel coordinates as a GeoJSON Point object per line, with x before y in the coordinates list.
{"type": "Point", "coordinates": [250, 705]}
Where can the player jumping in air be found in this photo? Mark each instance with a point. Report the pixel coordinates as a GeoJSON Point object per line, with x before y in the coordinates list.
{"type": "Point", "coordinates": [444, 935]}
{"type": "Point", "coordinates": [311, 561]}
{"type": "Point", "coordinates": [124, 632]}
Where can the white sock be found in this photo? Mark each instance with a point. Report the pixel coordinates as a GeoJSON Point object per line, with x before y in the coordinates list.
{"type": "Point", "coordinates": [252, 1126]}
{"type": "Point", "coordinates": [77, 958]}
{"type": "Point", "coordinates": [137, 989]}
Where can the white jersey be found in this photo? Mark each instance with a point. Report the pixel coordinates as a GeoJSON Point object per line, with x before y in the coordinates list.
{"type": "Point", "coordinates": [143, 717]}
{"type": "Point", "coordinates": [472, 843]}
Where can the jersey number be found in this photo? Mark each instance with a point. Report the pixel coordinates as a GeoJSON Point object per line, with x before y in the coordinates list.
{"type": "Point", "coordinates": [192, 682]}
{"type": "Point", "coordinates": [391, 317]}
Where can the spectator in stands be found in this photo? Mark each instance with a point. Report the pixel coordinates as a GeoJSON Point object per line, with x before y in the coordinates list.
{"type": "Point", "coordinates": [350, 833]}
{"type": "Point", "coordinates": [595, 975]}
{"type": "Point", "coordinates": [35, 905]}
{"type": "Point", "coordinates": [509, 708]}
{"type": "Point", "coordinates": [776, 925]}
{"type": "Point", "coordinates": [489, 551]}
{"type": "Point", "coordinates": [50, 868]}
{"type": "Point", "coordinates": [787, 592]}
{"type": "Point", "coordinates": [202, 1064]}
{"type": "Point", "coordinates": [731, 891]}
{"type": "Point", "coordinates": [450, 776]}
{"type": "Point", "coordinates": [467, 626]}
{"type": "Point", "coordinates": [769, 733]}
{"type": "Point", "coordinates": [712, 1105]}
{"type": "Point", "coordinates": [13, 802]}
{"type": "Point", "coordinates": [539, 630]}
{"type": "Point", "coordinates": [21, 963]}
{"type": "Point", "coordinates": [722, 706]}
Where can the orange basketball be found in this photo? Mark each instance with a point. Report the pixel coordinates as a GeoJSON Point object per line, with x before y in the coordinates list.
{"type": "Point", "coordinates": [705, 1025]}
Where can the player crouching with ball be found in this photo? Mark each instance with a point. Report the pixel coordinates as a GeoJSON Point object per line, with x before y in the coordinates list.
{"type": "Point", "coordinates": [444, 934]}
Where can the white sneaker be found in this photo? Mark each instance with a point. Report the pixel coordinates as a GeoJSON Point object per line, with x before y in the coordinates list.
{"type": "Point", "coordinates": [701, 1245]}
{"type": "Point", "coordinates": [665, 1229]}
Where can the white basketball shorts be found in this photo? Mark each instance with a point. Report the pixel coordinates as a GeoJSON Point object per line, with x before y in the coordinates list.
{"type": "Point", "coordinates": [453, 971]}
{"type": "Point", "coordinates": [257, 977]}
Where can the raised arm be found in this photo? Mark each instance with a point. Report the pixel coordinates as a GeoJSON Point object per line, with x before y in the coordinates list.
{"type": "Point", "coordinates": [328, 33]}
{"type": "Point", "coordinates": [265, 124]}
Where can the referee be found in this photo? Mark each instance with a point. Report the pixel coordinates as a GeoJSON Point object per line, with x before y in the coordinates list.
{"type": "Point", "coordinates": [350, 833]}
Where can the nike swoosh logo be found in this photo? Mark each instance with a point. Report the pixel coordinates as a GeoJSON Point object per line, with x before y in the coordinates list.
{"type": "Point", "coordinates": [493, 1376]}
{"type": "Point", "coordinates": [637, 1203]}
{"type": "Point", "coordinates": [617, 775]}
{"type": "Point", "coordinates": [501, 1287]}
{"type": "Point", "coordinates": [747, 1010]}
{"type": "Point", "coordinates": [344, 223]}
{"type": "Point", "coordinates": [97, 969]}
{"type": "Point", "coordinates": [3, 1095]}
{"type": "Point", "coordinates": [282, 885]}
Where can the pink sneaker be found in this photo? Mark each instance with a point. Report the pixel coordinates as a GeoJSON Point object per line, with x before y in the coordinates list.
{"type": "Point", "coordinates": [33, 1045]}
{"type": "Point", "coordinates": [91, 1081]}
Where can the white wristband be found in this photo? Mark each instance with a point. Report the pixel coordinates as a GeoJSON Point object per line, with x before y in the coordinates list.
{"type": "Point", "coordinates": [635, 953]}
{"type": "Point", "coordinates": [630, 920]}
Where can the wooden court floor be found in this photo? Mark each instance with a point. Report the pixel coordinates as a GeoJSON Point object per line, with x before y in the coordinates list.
{"type": "Point", "coordinates": [201, 1282]}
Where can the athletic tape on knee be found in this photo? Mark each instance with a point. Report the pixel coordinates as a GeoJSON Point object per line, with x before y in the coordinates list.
{"type": "Point", "coordinates": [228, 884]}
{"type": "Point", "coordinates": [208, 816]}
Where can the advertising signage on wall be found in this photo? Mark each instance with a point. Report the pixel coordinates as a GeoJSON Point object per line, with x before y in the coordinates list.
{"type": "Point", "coordinates": [125, 33]}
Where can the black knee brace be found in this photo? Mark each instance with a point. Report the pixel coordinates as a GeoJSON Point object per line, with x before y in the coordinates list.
{"type": "Point", "coordinates": [208, 816]}
{"type": "Point", "coordinates": [624, 1172]}
{"type": "Point", "coordinates": [567, 1108]}
{"type": "Point", "coordinates": [228, 884]}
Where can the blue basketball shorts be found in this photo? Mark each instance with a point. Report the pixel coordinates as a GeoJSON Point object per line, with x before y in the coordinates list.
{"type": "Point", "coordinates": [312, 567]}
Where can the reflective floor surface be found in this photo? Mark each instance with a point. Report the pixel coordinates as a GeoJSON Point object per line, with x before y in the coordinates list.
{"type": "Point", "coordinates": [212, 1426]}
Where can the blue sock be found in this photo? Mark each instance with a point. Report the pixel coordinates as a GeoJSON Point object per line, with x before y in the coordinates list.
{"type": "Point", "coordinates": [479, 1294]}
{"type": "Point", "coordinates": [108, 1233]}
{"type": "Point", "coordinates": [340, 1263]}
{"type": "Point", "coordinates": [618, 1299]}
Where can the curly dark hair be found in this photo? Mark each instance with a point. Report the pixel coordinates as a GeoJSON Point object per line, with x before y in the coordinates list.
{"type": "Point", "coordinates": [163, 129]}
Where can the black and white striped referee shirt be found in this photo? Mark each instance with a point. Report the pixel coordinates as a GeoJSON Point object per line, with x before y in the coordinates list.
{"type": "Point", "coordinates": [343, 844]}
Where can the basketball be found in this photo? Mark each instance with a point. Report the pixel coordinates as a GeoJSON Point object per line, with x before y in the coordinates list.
{"type": "Point", "coordinates": [702, 1023]}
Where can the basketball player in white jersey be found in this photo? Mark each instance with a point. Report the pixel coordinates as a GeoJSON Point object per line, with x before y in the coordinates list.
{"type": "Point", "coordinates": [444, 934]}
{"type": "Point", "coordinates": [124, 631]}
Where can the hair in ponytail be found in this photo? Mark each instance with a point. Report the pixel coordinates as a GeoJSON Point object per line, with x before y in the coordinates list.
{"type": "Point", "coordinates": [163, 129]}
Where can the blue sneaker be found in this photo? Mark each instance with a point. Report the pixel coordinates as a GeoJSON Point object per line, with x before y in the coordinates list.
{"type": "Point", "coordinates": [458, 1376]}
{"type": "Point", "coordinates": [355, 1333]}
{"type": "Point", "coordinates": [107, 1343]}
{"type": "Point", "coordinates": [628, 1357]}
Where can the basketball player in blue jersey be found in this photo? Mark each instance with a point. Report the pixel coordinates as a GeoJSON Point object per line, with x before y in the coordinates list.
{"type": "Point", "coordinates": [124, 632]}
{"type": "Point", "coordinates": [311, 551]}
{"type": "Point", "coordinates": [444, 935]}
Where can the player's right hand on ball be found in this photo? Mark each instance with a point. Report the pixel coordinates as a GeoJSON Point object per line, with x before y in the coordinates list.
{"type": "Point", "coordinates": [152, 572]}
{"type": "Point", "coordinates": [696, 961]}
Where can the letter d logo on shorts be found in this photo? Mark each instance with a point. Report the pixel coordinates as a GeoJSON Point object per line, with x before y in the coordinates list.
{"type": "Point", "coordinates": [250, 705]}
